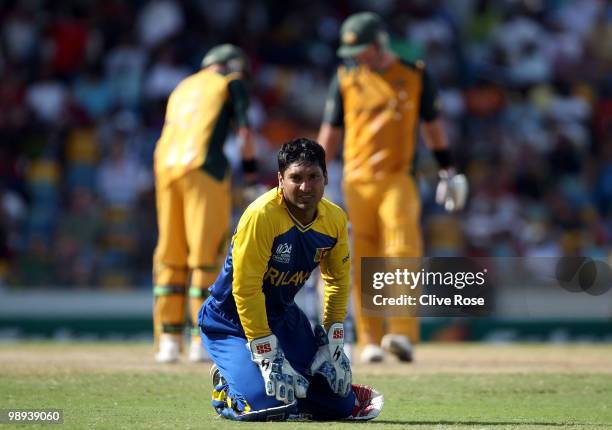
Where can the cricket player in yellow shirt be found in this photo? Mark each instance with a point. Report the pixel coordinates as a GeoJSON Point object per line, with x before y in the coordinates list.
{"type": "Point", "coordinates": [192, 179]}
{"type": "Point", "coordinates": [378, 101]}
{"type": "Point", "coordinates": [269, 362]}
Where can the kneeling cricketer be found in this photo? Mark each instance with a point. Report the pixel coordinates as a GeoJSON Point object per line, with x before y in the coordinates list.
{"type": "Point", "coordinates": [269, 364]}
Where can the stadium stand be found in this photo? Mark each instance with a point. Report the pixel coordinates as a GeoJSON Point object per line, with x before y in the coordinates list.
{"type": "Point", "coordinates": [525, 86]}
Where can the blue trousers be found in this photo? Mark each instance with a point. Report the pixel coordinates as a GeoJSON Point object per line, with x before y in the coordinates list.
{"type": "Point", "coordinates": [225, 342]}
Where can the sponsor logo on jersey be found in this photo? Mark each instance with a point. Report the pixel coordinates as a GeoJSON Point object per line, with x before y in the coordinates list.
{"type": "Point", "coordinates": [278, 278]}
{"type": "Point", "coordinates": [282, 253]}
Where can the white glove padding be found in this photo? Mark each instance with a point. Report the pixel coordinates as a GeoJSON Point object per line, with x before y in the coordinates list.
{"type": "Point", "coordinates": [330, 361]}
{"type": "Point", "coordinates": [452, 190]}
{"type": "Point", "coordinates": [281, 380]}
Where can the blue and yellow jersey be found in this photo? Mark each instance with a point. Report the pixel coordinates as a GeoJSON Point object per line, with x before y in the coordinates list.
{"type": "Point", "coordinates": [272, 255]}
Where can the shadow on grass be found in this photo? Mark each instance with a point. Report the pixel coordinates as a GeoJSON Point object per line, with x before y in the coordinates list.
{"type": "Point", "coordinates": [488, 423]}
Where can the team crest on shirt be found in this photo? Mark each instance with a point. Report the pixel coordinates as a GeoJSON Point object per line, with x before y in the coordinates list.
{"type": "Point", "coordinates": [283, 253]}
{"type": "Point", "coordinates": [320, 253]}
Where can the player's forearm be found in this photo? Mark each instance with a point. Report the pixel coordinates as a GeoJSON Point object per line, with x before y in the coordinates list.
{"type": "Point", "coordinates": [437, 141]}
{"type": "Point", "coordinates": [335, 272]}
{"type": "Point", "coordinates": [329, 139]}
{"type": "Point", "coordinates": [335, 304]}
{"type": "Point", "coordinates": [251, 309]}
{"type": "Point", "coordinates": [452, 188]}
{"type": "Point", "coordinates": [247, 143]}
{"type": "Point", "coordinates": [247, 153]}
{"type": "Point", "coordinates": [246, 289]}
{"type": "Point", "coordinates": [250, 255]}
{"type": "Point", "coordinates": [434, 135]}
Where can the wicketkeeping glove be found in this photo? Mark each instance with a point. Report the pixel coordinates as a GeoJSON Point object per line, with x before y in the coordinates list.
{"type": "Point", "coordinates": [330, 361]}
{"type": "Point", "coordinates": [452, 190]}
{"type": "Point", "coordinates": [281, 380]}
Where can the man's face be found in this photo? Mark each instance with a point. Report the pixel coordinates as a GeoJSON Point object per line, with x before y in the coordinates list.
{"type": "Point", "coordinates": [371, 57]}
{"type": "Point", "coordinates": [303, 185]}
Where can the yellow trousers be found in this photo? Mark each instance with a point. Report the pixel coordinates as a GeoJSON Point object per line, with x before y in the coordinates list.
{"type": "Point", "coordinates": [385, 222]}
{"type": "Point", "coordinates": [193, 218]}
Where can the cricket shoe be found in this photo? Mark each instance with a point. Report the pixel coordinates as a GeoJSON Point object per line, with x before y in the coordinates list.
{"type": "Point", "coordinates": [398, 345]}
{"type": "Point", "coordinates": [197, 352]}
{"type": "Point", "coordinates": [372, 353]}
{"type": "Point", "coordinates": [368, 403]}
{"type": "Point", "coordinates": [169, 349]}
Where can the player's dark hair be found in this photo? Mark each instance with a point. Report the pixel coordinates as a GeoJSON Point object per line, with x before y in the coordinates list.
{"type": "Point", "coordinates": [301, 151]}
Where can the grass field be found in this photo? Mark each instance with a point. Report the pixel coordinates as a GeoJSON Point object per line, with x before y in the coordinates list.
{"type": "Point", "coordinates": [114, 385]}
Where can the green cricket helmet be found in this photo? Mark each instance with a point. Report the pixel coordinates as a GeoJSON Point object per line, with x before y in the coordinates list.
{"type": "Point", "coordinates": [359, 31]}
{"type": "Point", "coordinates": [229, 55]}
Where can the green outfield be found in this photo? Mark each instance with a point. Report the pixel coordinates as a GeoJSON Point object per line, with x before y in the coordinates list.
{"type": "Point", "coordinates": [458, 386]}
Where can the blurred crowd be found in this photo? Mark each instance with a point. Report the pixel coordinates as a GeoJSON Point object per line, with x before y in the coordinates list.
{"type": "Point", "coordinates": [525, 87]}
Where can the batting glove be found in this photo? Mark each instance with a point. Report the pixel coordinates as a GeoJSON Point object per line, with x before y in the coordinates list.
{"type": "Point", "coordinates": [330, 361]}
{"type": "Point", "coordinates": [452, 190]}
{"type": "Point", "coordinates": [281, 380]}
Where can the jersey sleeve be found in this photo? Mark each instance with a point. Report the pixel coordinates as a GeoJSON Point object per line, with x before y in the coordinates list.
{"type": "Point", "coordinates": [240, 101]}
{"type": "Point", "coordinates": [335, 271]}
{"type": "Point", "coordinates": [429, 106]}
{"type": "Point", "coordinates": [334, 111]}
{"type": "Point", "coordinates": [251, 250]}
